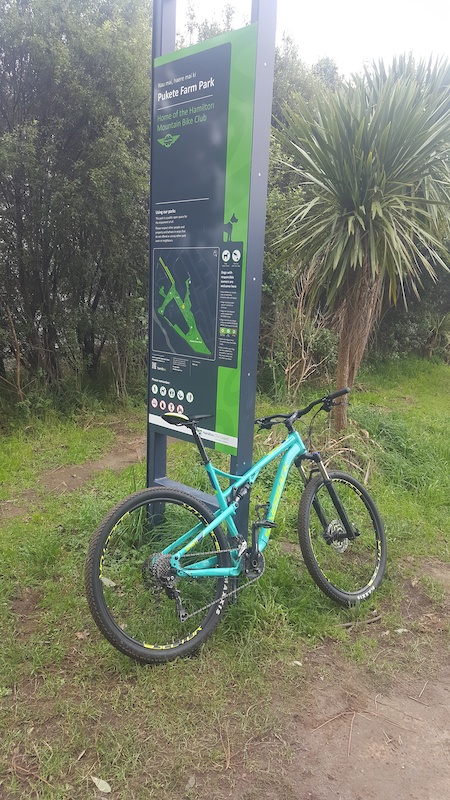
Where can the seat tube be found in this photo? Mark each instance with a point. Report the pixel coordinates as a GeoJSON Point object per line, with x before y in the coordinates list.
{"type": "Point", "coordinates": [277, 489]}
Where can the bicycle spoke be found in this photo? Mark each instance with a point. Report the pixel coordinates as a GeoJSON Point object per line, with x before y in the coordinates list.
{"type": "Point", "coordinates": [137, 599]}
{"type": "Point", "coordinates": [347, 569]}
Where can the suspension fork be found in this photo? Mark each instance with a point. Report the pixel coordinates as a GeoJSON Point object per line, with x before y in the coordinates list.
{"type": "Point", "coordinates": [328, 482]}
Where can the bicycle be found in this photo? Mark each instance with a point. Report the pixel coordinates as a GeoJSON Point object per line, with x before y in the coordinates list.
{"type": "Point", "coordinates": [162, 566]}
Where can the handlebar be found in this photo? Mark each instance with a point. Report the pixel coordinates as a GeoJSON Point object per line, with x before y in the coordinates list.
{"type": "Point", "coordinates": [265, 423]}
{"type": "Point", "coordinates": [339, 393]}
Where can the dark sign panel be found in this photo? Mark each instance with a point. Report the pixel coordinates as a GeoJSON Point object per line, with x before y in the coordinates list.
{"type": "Point", "coordinates": [201, 160]}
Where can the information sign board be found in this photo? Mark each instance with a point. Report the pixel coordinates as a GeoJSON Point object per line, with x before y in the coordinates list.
{"type": "Point", "coordinates": [203, 103]}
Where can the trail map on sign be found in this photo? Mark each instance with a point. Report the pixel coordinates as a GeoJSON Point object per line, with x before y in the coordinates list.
{"type": "Point", "coordinates": [185, 301]}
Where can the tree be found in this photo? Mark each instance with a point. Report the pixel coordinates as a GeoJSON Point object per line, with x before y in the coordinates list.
{"type": "Point", "coordinates": [196, 31]}
{"type": "Point", "coordinates": [74, 118]}
{"type": "Point", "coordinates": [326, 70]}
{"type": "Point", "coordinates": [372, 164]}
{"type": "Point", "coordinates": [292, 77]}
{"type": "Point", "coordinates": [292, 342]}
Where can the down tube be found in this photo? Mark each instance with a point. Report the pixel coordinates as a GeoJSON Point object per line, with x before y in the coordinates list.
{"type": "Point", "coordinates": [277, 489]}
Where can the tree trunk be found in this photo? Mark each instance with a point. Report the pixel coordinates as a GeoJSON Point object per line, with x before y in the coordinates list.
{"type": "Point", "coordinates": [342, 380]}
{"type": "Point", "coordinates": [356, 319]}
{"type": "Point", "coordinates": [16, 347]}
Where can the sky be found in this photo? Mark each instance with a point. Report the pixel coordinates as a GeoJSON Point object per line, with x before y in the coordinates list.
{"type": "Point", "coordinates": [351, 31]}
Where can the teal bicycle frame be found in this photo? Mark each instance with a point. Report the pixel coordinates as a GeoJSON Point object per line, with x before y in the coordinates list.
{"type": "Point", "coordinates": [290, 449]}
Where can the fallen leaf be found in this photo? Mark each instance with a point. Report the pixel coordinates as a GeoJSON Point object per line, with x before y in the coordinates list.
{"type": "Point", "coordinates": [107, 582]}
{"type": "Point", "coordinates": [190, 784]}
{"type": "Point", "coordinates": [82, 634]}
{"type": "Point", "coordinates": [102, 786]}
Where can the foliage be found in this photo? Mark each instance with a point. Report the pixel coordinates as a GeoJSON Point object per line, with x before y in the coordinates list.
{"type": "Point", "coordinates": [301, 342]}
{"type": "Point", "coordinates": [200, 30]}
{"type": "Point", "coordinates": [423, 327]}
{"type": "Point", "coordinates": [295, 341]}
{"type": "Point", "coordinates": [373, 164]}
{"type": "Point", "coordinates": [74, 153]}
{"type": "Point", "coordinates": [292, 77]}
{"type": "Point", "coordinates": [74, 87]}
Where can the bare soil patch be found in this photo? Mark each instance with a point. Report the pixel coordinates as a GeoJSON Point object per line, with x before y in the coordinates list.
{"type": "Point", "coordinates": [127, 450]}
{"type": "Point", "coordinates": [378, 730]}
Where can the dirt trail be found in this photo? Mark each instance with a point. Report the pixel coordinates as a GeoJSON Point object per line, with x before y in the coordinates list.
{"type": "Point", "coordinates": [353, 741]}
{"type": "Point", "coordinates": [364, 743]}
{"type": "Point", "coordinates": [127, 450]}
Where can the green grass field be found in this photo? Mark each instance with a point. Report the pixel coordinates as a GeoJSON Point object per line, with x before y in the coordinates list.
{"type": "Point", "coordinates": [72, 708]}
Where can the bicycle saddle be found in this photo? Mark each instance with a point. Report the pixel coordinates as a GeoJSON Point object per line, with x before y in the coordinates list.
{"type": "Point", "coordinates": [173, 418]}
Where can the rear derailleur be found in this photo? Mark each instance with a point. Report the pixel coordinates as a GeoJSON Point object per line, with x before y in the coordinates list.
{"type": "Point", "coordinates": [158, 574]}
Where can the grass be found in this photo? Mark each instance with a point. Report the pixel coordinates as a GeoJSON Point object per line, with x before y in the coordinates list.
{"type": "Point", "coordinates": [71, 707]}
{"type": "Point", "coordinates": [46, 444]}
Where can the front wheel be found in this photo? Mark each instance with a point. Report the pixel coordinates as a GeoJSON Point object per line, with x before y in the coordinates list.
{"type": "Point", "coordinates": [347, 569]}
{"type": "Point", "coordinates": [137, 601]}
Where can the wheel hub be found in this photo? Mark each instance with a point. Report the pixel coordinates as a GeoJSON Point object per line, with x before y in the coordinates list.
{"type": "Point", "coordinates": [336, 537]}
{"type": "Point", "coordinates": [157, 572]}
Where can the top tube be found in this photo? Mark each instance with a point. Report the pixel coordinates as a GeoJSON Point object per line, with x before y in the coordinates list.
{"type": "Point", "coordinates": [293, 441]}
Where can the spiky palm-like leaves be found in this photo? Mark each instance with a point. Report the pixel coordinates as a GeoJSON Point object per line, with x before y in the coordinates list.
{"type": "Point", "coordinates": [373, 164]}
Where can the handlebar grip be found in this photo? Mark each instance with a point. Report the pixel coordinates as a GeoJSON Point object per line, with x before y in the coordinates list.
{"type": "Point", "coordinates": [339, 393]}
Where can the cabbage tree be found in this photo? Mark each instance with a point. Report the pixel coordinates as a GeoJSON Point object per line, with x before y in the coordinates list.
{"type": "Point", "coordinates": [372, 162]}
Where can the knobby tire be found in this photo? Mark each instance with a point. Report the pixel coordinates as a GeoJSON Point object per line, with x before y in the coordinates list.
{"type": "Point", "coordinates": [346, 570]}
{"type": "Point", "coordinates": [128, 605]}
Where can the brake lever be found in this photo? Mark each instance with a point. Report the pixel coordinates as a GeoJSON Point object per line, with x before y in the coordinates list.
{"type": "Point", "coordinates": [267, 426]}
{"type": "Point", "coordinates": [264, 424]}
{"type": "Point", "coordinates": [329, 404]}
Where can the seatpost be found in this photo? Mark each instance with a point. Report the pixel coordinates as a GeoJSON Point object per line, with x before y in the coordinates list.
{"type": "Point", "coordinates": [199, 443]}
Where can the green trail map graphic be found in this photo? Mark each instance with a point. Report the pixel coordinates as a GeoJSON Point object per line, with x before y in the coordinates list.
{"type": "Point", "coordinates": [192, 337]}
{"type": "Point", "coordinates": [185, 301]}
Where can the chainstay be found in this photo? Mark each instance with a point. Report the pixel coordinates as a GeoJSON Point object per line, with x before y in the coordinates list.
{"type": "Point", "coordinates": [228, 594]}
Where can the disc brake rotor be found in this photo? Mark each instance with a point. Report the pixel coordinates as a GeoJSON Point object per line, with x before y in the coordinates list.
{"type": "Point", "coordinates": [335, 530]}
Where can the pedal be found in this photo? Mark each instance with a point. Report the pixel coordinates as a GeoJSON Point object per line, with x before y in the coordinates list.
{"type": "Point", "coordinates": [263, 523]}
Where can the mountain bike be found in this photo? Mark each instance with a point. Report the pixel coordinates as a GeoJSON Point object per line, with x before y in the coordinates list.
{"type": "Point", "coordinates": [162, 566]}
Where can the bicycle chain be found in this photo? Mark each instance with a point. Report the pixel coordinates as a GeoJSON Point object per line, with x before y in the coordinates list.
{"type": "Point", "coordinates": [229, 594]}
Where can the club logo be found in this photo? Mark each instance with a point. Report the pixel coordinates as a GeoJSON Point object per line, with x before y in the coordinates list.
{"type": "Point", "coordinates": [168, 140]}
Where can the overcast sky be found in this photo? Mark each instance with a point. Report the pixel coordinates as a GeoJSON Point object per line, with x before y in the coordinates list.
{"type": "Point", "coordinates": [351, 31]}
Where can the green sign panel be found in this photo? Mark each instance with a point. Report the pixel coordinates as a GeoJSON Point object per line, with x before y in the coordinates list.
{"type": "Point", "coordinates": [203, 101]}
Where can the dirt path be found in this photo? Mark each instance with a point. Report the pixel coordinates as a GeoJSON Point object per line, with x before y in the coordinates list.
{"type": "Point", "coordinates": [127, 450]}
{"type": "Point", "coordinates": [355, 740]}
{"type": "Point", "coordinates": [345, 735]}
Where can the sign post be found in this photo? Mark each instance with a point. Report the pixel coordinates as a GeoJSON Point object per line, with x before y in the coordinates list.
{"type": "Point", "coordinates": [210, 149]}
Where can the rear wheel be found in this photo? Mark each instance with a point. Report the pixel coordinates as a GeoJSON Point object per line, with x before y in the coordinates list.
{"type": "Point", "coordinates": [346, 569]}
{"type": "Point", "coordinates": [135, 598]}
